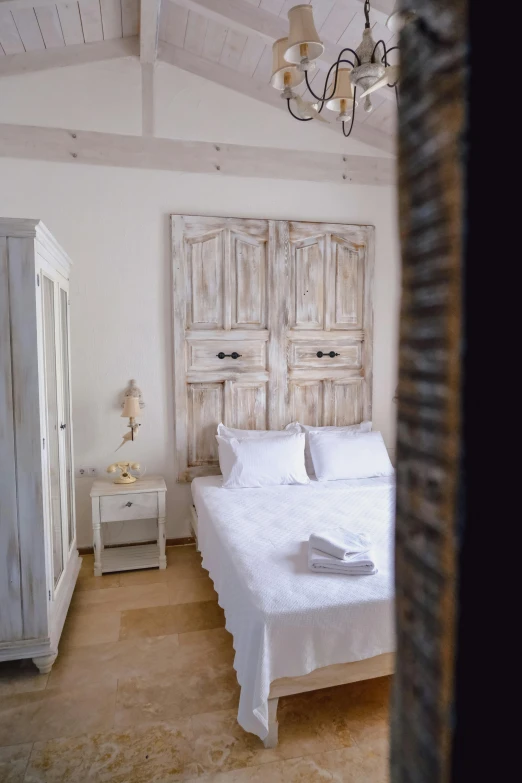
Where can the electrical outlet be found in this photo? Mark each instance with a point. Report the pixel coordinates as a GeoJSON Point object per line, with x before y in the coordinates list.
{"type": "Point", "coordinates": [90, 472]}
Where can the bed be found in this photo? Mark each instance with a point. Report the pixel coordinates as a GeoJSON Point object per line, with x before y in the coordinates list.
{"type": "Point", "coordinates": [293, 630]}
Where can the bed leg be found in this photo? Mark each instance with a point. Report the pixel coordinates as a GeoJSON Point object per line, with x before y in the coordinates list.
{"type": "Point", "coordinates": [273, 726]}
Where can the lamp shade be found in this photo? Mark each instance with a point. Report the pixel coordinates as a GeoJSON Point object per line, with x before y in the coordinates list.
{"type": "Point", "coordinates": [302, 31]}
{"type": "Point", "coordinates": [131, 408]}
{"type": "Point", "coordinates": [343, 92]}
{"type": "Point", "coordinates": [399, 19]}
{"type": "Point", "coordinates": [282, 68]}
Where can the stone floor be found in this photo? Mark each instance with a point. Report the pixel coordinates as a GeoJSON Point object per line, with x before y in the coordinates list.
{"type": "Point", "coordinates": [143, 691]}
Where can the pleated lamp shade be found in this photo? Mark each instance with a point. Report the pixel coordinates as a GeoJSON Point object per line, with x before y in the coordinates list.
{"type": "Point", "coordinates": [343, 92]}
{"type": "Point", "coordinates": [302, 31]}
{"type": "Point", "coordinates": [280, 67]}
{"type": "Point", "coordinates": [131, 408]}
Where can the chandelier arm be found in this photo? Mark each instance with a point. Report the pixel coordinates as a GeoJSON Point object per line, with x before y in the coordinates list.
{"type": "Point", "coordinates": [322, 99]}
{"type": "Point", "coordinates": [384, 58]}
{"type": "Point", "coordinates": [353, 114]}
{"type": "Point", "coordinates": [301, 119]}
{"type": "Point", "coordinates": [387, 52]}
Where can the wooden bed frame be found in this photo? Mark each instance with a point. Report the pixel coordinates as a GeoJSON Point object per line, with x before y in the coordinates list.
{"type": "Point", "coordinates": [327, 677]}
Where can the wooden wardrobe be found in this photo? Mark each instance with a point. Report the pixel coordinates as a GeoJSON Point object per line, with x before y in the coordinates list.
{"type": "Point", "coordinates": [272, 323]}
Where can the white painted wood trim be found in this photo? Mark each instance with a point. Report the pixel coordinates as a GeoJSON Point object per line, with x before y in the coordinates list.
{"type": "Point", "coordinates": [272, 737]}
{"type": "Point", "coordinates": [110, 149]}
{"type": "Point", "coordinates": [149, 25]}
{"type": "Point", "coordinates": [368, 323]}
{"type": "Point", "coordinates": [76, 54]}
{"type": "Point", "coordinates": [147, 99]}
{"type": "Point", "coordinates": [242, 83]}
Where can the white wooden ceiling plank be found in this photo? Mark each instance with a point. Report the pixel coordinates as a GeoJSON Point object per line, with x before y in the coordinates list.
{"type": "Point", "coordinates": [149, 30]}
{"type": "Point", "coordinates": [195, 33]}
{"type": "Point", "coordinates": [336, 23]}
{"type": "Point", "coordinates": [263, 71]}
{"type": "Point", "coordinates": [70, 22]}
{"type": "Point", "coordinates": [288, 4]}
{"type": "Point", "coordinates": [377, 99]}
{"type": "Point", "coordinates": [64, 56]}
{"type": "Point", "coordinates": [383, 117]}
{"type": "Point", "coordinates": [353, 34]}
{"type": "Point", "coordinates": [90, 15]}
{"type": "Point", "coordinates": [233, 49]}
{"type": "Point", "coordinates": [28, 29]}
{"type": "Point", "coordinates": [111, 16]}
{"type": "Point", "coordinates": [274, 6]}
{"type": "Point", "coordinates": [50, 26]}
{"type": "Point", "coordinates": [130, 17]}
{"type": "Point", "coordinates": [9, 36]}
{"type": "Point", "coordinates": [214, 40]}
{"type": "Point", "coordinates": [173, 23]}
{"type": "Point", "coordinates": [251, 56]}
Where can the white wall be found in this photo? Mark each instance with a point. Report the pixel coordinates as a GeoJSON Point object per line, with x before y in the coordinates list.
{"type": "Point", "coordinates": [114, 224]}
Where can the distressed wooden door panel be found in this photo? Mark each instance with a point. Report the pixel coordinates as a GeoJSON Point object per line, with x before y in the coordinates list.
{"type": "Point", "coordinates": [275, 293]}
{"type": "Point", "coordinates": [248, 256]}
{"type": "Point", "coordinates": [245, 404]}
{"type": "Point", "coordinates": [221, 268]}
{"type": "Point", "coordinates": [205, 411]}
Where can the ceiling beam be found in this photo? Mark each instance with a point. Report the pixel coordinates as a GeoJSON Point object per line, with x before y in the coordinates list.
{"type": "Point", "coordinates": [149, 26]}
{"type": "Point", "coordinates": [251, 20]}
{"type": "Point", "coordinates": [111, 149]}
{"type": "Point", "coordinates": [77, 54]}
{"type": "Point", "coordinates": [226, 77]}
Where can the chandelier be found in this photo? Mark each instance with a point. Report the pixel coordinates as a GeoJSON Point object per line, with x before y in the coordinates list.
{"type": "Point", "coordinates": [366, 68]}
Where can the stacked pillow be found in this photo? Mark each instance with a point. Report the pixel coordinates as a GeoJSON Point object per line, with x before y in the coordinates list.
{"type": "Point", "coordinates": [258, 458]}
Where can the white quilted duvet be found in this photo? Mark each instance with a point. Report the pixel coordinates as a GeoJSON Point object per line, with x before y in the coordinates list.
{"type": "Point", "coordinates": [285, 620]}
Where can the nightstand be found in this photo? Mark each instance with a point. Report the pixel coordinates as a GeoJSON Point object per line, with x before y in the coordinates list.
{"type": "Point", "coordinates": [144, 499]}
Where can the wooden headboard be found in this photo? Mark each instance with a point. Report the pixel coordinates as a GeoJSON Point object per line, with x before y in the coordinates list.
{"type": "Point", "coordinates": [255, 304]}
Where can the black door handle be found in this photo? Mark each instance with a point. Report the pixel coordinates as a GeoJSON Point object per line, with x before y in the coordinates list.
{"type": "Point", "coordinates": [128, 504]}
{"type": "Point", "coordinates": [234, 355]}
{"type": "Point", "coordinates": [63, 426]}
{"type": "Point", "coordinates": [331, 354]}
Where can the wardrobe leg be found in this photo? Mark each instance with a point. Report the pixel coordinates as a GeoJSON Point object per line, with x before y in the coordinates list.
{"type": "Point", "coordinates": [44, 663]}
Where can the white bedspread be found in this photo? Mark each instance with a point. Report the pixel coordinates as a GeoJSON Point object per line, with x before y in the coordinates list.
{"type": "Point", "coordinates": [285, 620]}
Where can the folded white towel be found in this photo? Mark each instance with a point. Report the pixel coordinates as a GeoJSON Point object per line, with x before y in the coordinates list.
{"type": "Point", "coordinates": [358, 564]}
{"type": "Point", "coordinates": [340, 543]}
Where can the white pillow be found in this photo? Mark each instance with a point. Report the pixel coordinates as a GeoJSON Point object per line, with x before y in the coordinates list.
{"type": "Point", "coordinates": [364, 426]}
{"type": "Point", "coordinates": [230, 432]}
{"type": "Point", "coordinates": [349, 455]}
{"type": "Point", "coordinates": [262, 462]}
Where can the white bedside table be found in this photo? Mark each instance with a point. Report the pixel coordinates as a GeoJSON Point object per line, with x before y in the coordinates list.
{"type": "Point", "coordinates": [144, 499]}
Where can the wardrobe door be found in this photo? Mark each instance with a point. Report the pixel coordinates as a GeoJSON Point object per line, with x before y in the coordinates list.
{"type": "Point", "coordinates": [66, 420]}
{"type": "Point", "coordinates": [221, 268]}
{"type": "Point", "coordinates": [53, 421]}
{"type": "Point", "coordinates": [329, 335]}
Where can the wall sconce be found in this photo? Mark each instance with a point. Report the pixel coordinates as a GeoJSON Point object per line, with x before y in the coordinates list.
{"type": "Point", "coordinates": [132, 405]}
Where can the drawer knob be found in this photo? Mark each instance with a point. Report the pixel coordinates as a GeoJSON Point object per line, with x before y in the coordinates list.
{"type": "Point", "coordinates": [331, 354]}
{"type": "Point", "coordinates": [128, 504]}
{"type": "Point", "coordinates": [233, 355]}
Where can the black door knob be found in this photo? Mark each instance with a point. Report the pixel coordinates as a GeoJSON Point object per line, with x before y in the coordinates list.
{"type": "Point", "coordinates": [331, 354]}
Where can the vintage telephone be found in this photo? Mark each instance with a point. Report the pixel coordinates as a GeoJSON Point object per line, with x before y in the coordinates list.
{"type": "Point", "coordinates": [125, 477]}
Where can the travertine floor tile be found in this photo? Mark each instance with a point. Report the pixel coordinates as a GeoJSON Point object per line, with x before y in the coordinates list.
{"type": "Point", "coordinates": [349, 765]}
{"type": "Point", "coordinates": [160, 753]}
{"type": "Point", "coordinates": [20, 677]}
{"type": "Point", "coordinates": [100, 664]}
{"type": "Point", "coordinates": [83, 628]}
{"type": "Point", "coordinates": [185, 591]}
{"type": "Point", "coordinates": [87, 581]}
{"type": "Point", "coordinates": [147, 577]}
{"type": "Point", "coordinates": [161, 620]}
{"type": "Point", "coordinates": [28, 717]}
{"type": "Point", "coordinates": [197, 684]}
{"type": "Point", "coordinates": [13, 762]}
{"type": "Point", "coordinates": [116, 599]}
{"type": "Point", "coordinates": [207, 641]}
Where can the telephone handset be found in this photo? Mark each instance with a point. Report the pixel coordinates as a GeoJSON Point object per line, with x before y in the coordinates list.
{"type": "Point", "coordinates": [125, 477]}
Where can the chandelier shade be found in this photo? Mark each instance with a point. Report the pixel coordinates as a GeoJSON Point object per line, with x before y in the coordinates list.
{"type": "Point", "coordinates": [284, 74]}
{"type": "Point", "coordinates": [304, 44]}
{"type": "Point", "coordinates": [357, 73]}
{"type": "Point", "coordinates": [342, 99]}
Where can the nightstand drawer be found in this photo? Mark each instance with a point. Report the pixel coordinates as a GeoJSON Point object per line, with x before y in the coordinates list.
{"type": "Point", "coordinates": [135, 505]}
